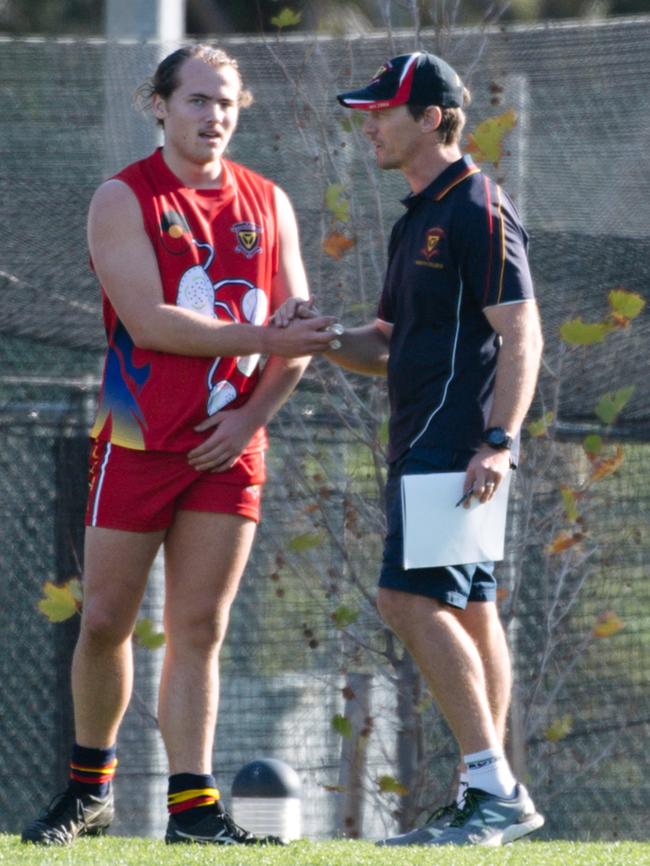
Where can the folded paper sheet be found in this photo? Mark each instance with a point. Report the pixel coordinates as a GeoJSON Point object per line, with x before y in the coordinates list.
{"type": "Point", "coordinates": [436, 532]}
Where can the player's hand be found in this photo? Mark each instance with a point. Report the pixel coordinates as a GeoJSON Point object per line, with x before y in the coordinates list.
{"type": "Point", "coordinates": [485, 471]}
{"type": "Point", "coordinates": [293, 308]}
{"type": "Point", "coordinates": [232, 432]}
{"type": "Point", "coordinates": [302, 336]}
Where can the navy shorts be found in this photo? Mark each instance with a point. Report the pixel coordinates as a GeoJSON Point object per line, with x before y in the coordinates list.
{"type": "Point", "coordinates": [452, 584]}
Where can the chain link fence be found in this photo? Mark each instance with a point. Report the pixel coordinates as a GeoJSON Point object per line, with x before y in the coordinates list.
{"type": "Point", "coordinates": [310, 675]}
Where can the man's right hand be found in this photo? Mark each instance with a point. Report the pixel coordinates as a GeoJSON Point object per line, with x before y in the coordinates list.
{"type": "Point", "coordinates": [300, 336]}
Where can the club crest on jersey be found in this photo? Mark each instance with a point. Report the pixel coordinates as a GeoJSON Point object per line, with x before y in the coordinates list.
{"type": "Point", "coordinates": [248, 239]}
{"type": "Point", "coordinates": [432, 240]}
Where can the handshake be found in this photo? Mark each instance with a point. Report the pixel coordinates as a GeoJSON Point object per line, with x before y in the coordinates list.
{"type": "Point", "coordinates": [298, 308]}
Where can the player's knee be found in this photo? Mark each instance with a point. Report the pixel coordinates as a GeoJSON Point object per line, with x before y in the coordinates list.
{"type": "Point", "coordinates": [203, 633]}
{"type": "Point", "coordinates": [103, 627]}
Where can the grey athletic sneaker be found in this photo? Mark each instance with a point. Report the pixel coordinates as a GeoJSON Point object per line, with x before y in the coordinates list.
{"type": "Point", "coordinates": [434, 826]}
{"type": "Point", "coordinates": [491, 821]}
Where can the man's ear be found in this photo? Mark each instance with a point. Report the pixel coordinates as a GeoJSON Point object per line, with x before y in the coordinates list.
{"type": "Point", "coordinates": [431, 118]}
{"type": "Point", "coordinates": [158, 107]}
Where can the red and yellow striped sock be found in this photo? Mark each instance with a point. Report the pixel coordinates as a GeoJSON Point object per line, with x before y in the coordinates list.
{"type": "Point", "coordinates": [92, 770]}
{"type": "Point", "coordinates": [189, 794]}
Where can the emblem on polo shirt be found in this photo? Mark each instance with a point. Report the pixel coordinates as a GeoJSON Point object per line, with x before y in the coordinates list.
{"type": "Point", "coordinates": [432, 240]}
{"type": "Point", "coordinates": [248, 239]}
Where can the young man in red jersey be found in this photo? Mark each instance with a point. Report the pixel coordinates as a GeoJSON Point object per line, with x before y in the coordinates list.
{"type": "Point", "coordinates": [193, 252]}
{"type": "Point", "coordinates": [458, 336]}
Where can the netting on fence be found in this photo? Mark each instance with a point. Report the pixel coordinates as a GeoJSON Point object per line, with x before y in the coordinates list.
{"type": "Point", "coordinates": [305, 643]}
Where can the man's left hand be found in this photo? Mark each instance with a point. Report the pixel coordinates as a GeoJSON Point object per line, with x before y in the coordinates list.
{"type": "Point", "coordinates": [485, 471]}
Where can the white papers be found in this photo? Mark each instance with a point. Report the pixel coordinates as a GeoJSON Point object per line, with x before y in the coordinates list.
{"type": "Point", "coordinates": [436, 532]}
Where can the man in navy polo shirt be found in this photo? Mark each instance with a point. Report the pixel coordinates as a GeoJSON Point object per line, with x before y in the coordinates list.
{"type": "Point", "coordinates": [458, 336]}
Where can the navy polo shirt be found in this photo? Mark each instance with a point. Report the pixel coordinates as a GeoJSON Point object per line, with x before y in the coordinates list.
{"type": "Point", "coordinates": [459, 248]}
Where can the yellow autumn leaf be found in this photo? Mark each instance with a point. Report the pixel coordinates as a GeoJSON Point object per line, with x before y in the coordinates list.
{"type": "Point", "coordinates": [560, 728]}
{"type": "Point", "coordinates": [286, 18]}
{"type": "Point", "coordinates": [146, 635]}
{"type": "Point", "coordinates": [336, 203]}
{"type": "Point", "coordinates": [625, 305]}
{"type": "Point", "coordinates": [486, 142]}
{"type": "Point", "coordinates": [75, 587]}
{"type": "Point", "coordinates": [540, 426]}
{"type": "Point", "coordinates": [569, 499]}
{"type": "Point", "coordinates": [390, 785]}
{"type": "Point", "coordinates": [59, 603]}
{"type": "Point", "coordinates": [608, 624]}
{"type": "Point", "coordinates": [579, 333]}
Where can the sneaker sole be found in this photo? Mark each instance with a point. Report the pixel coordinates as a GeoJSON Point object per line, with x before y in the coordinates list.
{"type": "Point", "coordinates": [523, 828]}
{"type": "Point", "coordinates": [55, 843]}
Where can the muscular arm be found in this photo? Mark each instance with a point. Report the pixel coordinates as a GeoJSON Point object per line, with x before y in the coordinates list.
{"type": "Point", "coordinates": [518, 362]}
{"type": "Point", "coordinates": [364, 349]}
{"type": "Point", "coordinates": [361, 350]}
{"type": "Point", "coordinates": [127, 268]}
{"type": "Point", "coordinates": [234, 428]}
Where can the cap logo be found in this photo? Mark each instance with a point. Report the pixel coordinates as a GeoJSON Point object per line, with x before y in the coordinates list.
{"type": "Point", "coordinates": [381, 71]}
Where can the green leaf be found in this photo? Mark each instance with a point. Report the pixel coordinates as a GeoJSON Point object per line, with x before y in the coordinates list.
{"type": "Point", "coordinates": [60, 602]}
{"type": "Point", "coordinates": [540, 427]}
{"type": "Point", "coordinates": [147, 636]}
{"type": "Point", "coordinates": [344, 616]}
{"type": "Point", "coordinates": [301, 543]}
{"type": "Point", "coordinates": [612, 404]}
{"type": "Point", "coordinates": [593, 445]}
{"type": "Point", "coordinates": [390, 785]}
{"type": "Point", "coordinates": [626, 304]}
{"type": "Point", "coordinates": [342, 725]}
{"type": "Point", "coordinates": [560, 729]}
{"type": "Point", "coordinates": [579, 333]}
{"type": "Point", "coordinates": [570, 504]}
{"type": "Point", "coordinates": [338, 206]}
{"type": "Point", "coordinates": [382, 433]}
{"type": "Point", "coordinates": [286, 18]}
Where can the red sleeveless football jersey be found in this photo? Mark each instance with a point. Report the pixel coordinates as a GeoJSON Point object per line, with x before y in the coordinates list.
{"type": "Point", "coordinates": [217, 252]}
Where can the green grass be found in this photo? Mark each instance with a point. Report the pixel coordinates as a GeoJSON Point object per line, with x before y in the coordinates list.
{"type": "Point", "coordinates": [119, 851]}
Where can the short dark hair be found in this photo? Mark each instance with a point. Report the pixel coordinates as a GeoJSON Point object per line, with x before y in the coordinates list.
{"type": "Point", "coordinates": [165, 79]}
{"type": "Point", "coordinates": [452, 122]}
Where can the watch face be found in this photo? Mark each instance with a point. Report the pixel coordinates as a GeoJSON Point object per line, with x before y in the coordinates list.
{"type": "Point", "coordinates": [497, 438]}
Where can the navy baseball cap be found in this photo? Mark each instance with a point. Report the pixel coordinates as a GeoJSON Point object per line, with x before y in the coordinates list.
{"type": "Point", "coordinates": [418, 79]}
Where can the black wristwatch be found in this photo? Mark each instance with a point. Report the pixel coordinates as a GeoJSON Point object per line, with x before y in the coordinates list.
{"type": "Point", "coordinates": [497, 438]}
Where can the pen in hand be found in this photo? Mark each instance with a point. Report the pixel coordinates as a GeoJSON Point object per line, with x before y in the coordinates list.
{"type": "Point", "coordinates": [465, 496]}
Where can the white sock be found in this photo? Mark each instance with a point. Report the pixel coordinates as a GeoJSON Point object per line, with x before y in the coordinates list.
{"type": "Point", "coordinates": [490, 771]}
{"type": "Point", "coordinates": [463, 784]}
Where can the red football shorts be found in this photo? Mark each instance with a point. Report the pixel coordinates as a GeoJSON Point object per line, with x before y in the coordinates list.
{"type": "Point", "coordinates": [140, 491]}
